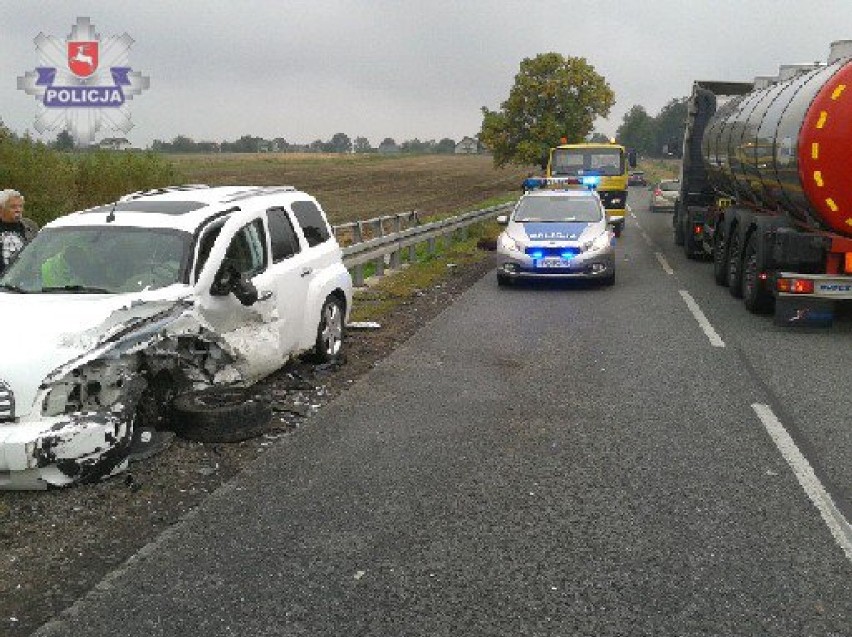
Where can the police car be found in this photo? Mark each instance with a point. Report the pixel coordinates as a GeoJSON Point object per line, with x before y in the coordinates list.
{"type": "Point", "coordinates": [555, 234]}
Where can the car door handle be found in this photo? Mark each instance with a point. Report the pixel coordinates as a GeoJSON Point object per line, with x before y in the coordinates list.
{"type": "Point", "coordinates": [265, 295]}
{"type": "Point", "coordinates": [306, 272]}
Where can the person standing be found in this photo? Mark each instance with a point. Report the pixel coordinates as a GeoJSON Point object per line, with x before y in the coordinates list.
{"type": "Point", "coordinates": [15, 233]}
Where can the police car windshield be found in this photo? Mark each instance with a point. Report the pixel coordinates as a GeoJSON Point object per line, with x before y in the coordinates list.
{"type": "Point", "coordinates": [101, 260]}
{"type": "Point", "coordinates": [557, 209]}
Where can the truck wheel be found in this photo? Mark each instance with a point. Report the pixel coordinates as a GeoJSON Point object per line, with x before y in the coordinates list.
{"type": "Point", "coordinates": [678, 225]}
{"type": "Point", "coordinates": [735, 279]}
{"type": "Point", "coordinates": [720, 257]}
{"type": "Point", "coordinates": [690, 247]}
{"type": "Point", "coordinates": [755, 296]}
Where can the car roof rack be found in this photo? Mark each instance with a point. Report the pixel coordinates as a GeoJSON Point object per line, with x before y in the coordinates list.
{"type": "Point", "coordinates": [161, 191]}
{"type": "Point", "coordinates": [255, 191]}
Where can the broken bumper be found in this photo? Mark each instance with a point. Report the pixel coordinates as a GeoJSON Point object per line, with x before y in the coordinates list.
{"type": "Point", "coordinates": [61, 450]}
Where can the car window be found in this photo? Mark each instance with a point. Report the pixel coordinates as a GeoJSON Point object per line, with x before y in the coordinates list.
{"type": "Point", "coordinates": [669, 185]}
{"type": "Point", "coordinates": [557, 208]}
{"type": "Point", "coordinates": [282, 236]}
{"type": "Point", "coordinates": [205, 245]}
{"type": "Point", "coordinates": [111, 260]}
{"type": "Point", "coordinates": [574, 161]}
{"type": "Point", "coordinates": [313, 225]}
{"type": "Point", "coordinates": [246, 251]}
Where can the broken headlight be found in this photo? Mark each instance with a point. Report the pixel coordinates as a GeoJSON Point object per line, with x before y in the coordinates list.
{"type": "Point", "coordinates": [96, 386]}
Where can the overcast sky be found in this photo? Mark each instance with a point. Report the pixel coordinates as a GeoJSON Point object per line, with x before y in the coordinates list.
{"type": "Point", "coordinates": [306, 69]}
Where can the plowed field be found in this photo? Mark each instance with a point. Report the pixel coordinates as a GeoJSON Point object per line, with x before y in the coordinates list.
{"type": "Point", "coordinates": [353, 187]}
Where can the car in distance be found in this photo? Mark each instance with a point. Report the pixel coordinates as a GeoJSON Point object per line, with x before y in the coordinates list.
{"type": "Point", "coordinates": [118, 311]}
{"type": "Point", "coordinates": [637, 178]}
{"type": "Point", "coordinates": [556, 234]}
{"type": "Point", "coordinates": [664, 194]}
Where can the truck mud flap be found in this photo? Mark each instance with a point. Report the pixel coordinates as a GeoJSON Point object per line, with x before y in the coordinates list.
{"type": "Point", "coordinates": [807, 312]}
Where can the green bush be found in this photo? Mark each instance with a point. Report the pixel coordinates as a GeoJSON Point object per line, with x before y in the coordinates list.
{"type": "Point", "coordinates": [55, 183]}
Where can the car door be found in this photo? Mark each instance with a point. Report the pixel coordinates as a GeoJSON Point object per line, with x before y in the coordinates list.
{"type": "Point", "coordinates": [291, 271]}
{"type": "Point", "coordinates": [252, 331]}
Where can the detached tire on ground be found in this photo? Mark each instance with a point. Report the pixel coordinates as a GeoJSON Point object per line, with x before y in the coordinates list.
{"type": "Point", "coordinates": [222, 414]}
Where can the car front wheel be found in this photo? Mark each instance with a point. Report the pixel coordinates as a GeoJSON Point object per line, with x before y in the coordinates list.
{"type": "Point", "coordinates": [329, 343]}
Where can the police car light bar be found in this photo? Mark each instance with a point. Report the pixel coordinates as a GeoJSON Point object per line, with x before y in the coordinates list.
{"type": "Point", "coordinates": [556, 183]}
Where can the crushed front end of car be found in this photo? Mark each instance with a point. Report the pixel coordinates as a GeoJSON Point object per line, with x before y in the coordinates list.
{"type": "Point", "coordinates": [74, 422]}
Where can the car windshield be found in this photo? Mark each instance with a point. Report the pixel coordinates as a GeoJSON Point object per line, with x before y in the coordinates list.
{"type": "Point", "coordinates": [584, 161]}
{"type": "Point", "coordinates": [557, 208]}
{"type": "Point", "coordinates": [99, 260]}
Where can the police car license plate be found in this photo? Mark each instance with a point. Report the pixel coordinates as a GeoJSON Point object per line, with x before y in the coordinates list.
{"type": "Point", "coordinates": [552, 262]}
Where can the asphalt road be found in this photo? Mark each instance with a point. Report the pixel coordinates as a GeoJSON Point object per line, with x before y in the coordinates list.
{"type": "Point", "coordinates": [545, 460]}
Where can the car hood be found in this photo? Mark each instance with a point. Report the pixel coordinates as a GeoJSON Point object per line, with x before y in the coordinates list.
{"type": "Point", "coordinates": [43, 332]}
{"type": "Point", "coordinates": [575, 231]}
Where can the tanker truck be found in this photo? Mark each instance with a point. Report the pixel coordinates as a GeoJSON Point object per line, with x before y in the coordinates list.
{"type": "Point", "coordinates": [766, 188]}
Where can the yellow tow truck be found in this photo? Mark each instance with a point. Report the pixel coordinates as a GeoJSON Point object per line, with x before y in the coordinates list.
{"type": "Point", "coordinates": [603, 167]}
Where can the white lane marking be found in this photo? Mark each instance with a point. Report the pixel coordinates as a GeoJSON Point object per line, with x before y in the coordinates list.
{"type": "Point", "coordinates": [665, 264]}
{"type": "Point", "coordinates": [831, 515]}
{"type": "Point", "coordinates": [647, 238]}
{"type": "Point", "coordinates": [715, 339]}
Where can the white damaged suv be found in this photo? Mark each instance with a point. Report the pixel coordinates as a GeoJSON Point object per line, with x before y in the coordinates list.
{"type": "Point", "coordinates": [110, 312]}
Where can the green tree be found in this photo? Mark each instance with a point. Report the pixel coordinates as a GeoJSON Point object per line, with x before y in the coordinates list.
{"type": "Point", "coordinates": [183, 144]}
{"type": "Point", "coordinates": [64, 141]}
{"type": "Point", "coordinates": [340, 143]}
{"type": "Point", "coordinates": [553, 97]}
{"type": "Point", "coordinates": [598, 138]}
{"type": "Point", "coordinates": [362, 145]}
{"type": "Point", "coordinates": [446, 146]}
{"type": "Point", "coordinates": [671, 124]}
{"type": "Point", "coordinates": [638, 131]}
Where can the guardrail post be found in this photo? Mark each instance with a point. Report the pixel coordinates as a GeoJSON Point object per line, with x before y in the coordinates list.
{"type": "Point", "coordinates": [395, 257]}
{"type": "Point", "coordinates": [432, 245]}
{"type": "Point", "coordinates": [358, 275]}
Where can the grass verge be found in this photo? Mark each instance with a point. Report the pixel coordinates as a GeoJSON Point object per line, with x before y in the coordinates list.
{"type": "Point", "coordinates": [381, 295]}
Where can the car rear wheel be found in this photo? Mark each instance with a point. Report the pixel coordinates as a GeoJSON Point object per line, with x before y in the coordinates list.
{"type": "Point", "coordinates": [503, 280]}
{"type": "Point", "coordinates": [329, 344]}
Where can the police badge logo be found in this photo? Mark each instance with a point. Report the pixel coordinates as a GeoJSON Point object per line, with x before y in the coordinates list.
{"type": "Point", "coordinates": [89, 88]}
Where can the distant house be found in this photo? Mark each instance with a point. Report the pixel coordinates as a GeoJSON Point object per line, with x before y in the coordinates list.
{"type": "Point", "coordinates": [267, 146]}
{"type": "Point", "coordinates": [208, 147]}
{"type": "Point", "coordinates": [467, 146]}
{"type": "Point", "coordinates": [114, 143]}
{"type": "Point", "coordinates": [388, 146]}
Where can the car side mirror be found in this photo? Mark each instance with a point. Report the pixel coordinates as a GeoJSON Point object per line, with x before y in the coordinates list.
{"type": "Point", "coordinates": [503, 220]}
{"type": "Point", "coordinates": [229, 280]}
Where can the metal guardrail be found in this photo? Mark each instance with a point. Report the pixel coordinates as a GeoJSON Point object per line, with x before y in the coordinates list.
{"type": "Point", "coordinates": [358, 231]}
{"type": "Point", "coordinates": [389, 250]}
